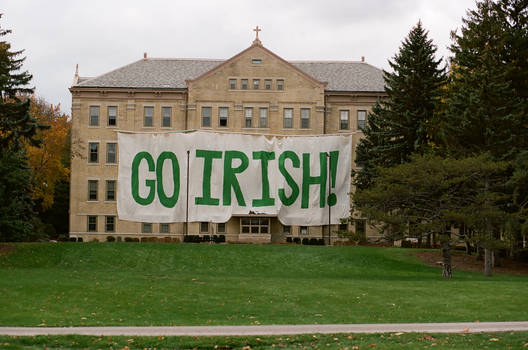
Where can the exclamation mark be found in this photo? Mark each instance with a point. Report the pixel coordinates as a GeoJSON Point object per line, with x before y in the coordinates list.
{"type": "Point", "coordinates": [334, 158]}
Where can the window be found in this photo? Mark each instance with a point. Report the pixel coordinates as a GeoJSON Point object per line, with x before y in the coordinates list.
{"type": "Point", "coordinates": [92, 190]}
{"type": "Point", "coordinates": [92, 223]}
{"type": "Point", "coordinates": [256, 61]}
{"type": "Point", "coordinates": [360, 226]}
{"type": "Point", "coordinates": [263, 118]}
{"type": "Point", "coordinates": [110, 224]}
{"type": "Point", "coordinates": [204, 227]}
{"type": "Point", "coordinates": [343, 227]}
{"type": "Point", "coordinates": [288, 118]}
{"type": "Point", "coordinates": [112, 116]}
{"type": "Point", "coordinates": [256, 84]}
{"type": "Point", "coordinates": [222, 116]}
{"type": "Point", "coordinates": [267, 84]}
{"type": "Point", "coordinates": [248, 116]}
{"type": "Point", "coordinates": [166, 114]}
{"type": "Point", "coordinates": [280, 84]}
{"type": "Point", "coordinates": [206, 117]}
{"type": "Point", "coordinates": [146, 227]}
{"type": "Point", "coordinates": [221, 227]}
{"type": "Point", "coordinates": [305, 118]}
{"type": "Point", "coordinates": [244, 84]}
{"type": "Point", "coordinates": [93, 149]}
{"type": "Point", "coordinates": [164, 228]}
{"type": "Point", "coordinates": [286, 230]}
{"type": "Point", "coordinates": [94, 115]}
{"type": "Point", "coordinates": [343, 120]}
{"type": "Point", "coordinates": [232, 83]}
{"type": "Point", "coordinates": [110, 190]}
{"type": "Point", "coordinates": [361, 118]}
{"type": "Point", "coordinates": [148, 116]}
{"type": "Point", "coordinates": [303, 230]}
{"type": "Point", "coordinates": [111, 148]}
{"type": "Point", "coordinates": [254, 225]}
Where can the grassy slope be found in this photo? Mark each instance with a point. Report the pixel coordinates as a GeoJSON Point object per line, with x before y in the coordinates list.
{"type": "Point", "coordinates": [186, 284]}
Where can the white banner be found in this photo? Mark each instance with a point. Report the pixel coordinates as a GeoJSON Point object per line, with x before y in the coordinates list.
{"type": "Point", "coordinates": [296, 178]}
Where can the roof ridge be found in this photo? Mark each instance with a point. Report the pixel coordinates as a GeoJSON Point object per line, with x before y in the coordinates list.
{"type": "Point", "coordinates": [324, 61]}
{"type": "Point", "coordinates": [113, 70]}
{"type": "Point", "coordinates": [185, 59]}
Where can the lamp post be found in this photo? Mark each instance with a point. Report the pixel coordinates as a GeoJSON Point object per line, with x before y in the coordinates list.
{"type": "Point", "coordinates": [328, 178]}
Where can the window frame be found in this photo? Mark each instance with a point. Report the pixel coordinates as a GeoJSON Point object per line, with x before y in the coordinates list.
{"type": "Point", "coordinates": [108, 116]}
{"type": "Point", "coordinates": [305, 229]}
{"type": "Point", "coordinates": [219, 225]}
{"type": "Point", "coordinates": [307, 120]}
{"type": "Point", "coordinates": [220, 109]}
{"type": "Point", "coordinates": [91, 153]}
{"type": "Point", "coordinates": [341, 124]}
{"type": "Point", "coordinates": [144, 226]}
{"type": "Point", "coordinates": [246, 110]}
{"type": "Point", "coordinates": [165, 117]}
{"type": "Point", "coordinates": [363, 121]}
{"type": "Point", "coordinates": [280, 84]}
{"type": "Point", "coordinates": [163, 225]}
{"type": "Point", "coordinates": [256, 84]}
{"type": "Point", "coordinates": [147, 117]}
{"type": "Point", "coordinates": [244, 84]}
{"type": "Point", "coordinates": [108, 190]}
{"type": "Point", "coordinates": [255, 224]}
{"type": "Point", "coordinates": [93, 190]}
{"type": "Point", "coordinates": [260, 124]}
{"type": "Point", "coordinates": [107, 223]}
{"type": "Point", "coordinates": [203, 117]}
{"type": "Point", "coordinates": [108, 153]}
{"type": "Point", "coordinates": [88, 223]}
{"type": "Point", "coordinates": [232, 84]}
{"type": "Point", "coordinates": [202, 224]}
{"type": "Point", "coordinates": [284, 119]}
{"type": "Point", "coordinates": [91, 116]}
{"type": "Point", "coordinates": [267, 84]}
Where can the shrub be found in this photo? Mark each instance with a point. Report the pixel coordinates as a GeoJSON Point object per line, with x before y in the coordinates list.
{"type": "Point", "coordinates": [288, 239]}
{"type": "Point", "coordinates": [79, 239]}
{"type": "Point", "coordinates": [406, 244]}
{"type": "Point", "coordinates": [73, 239]}
{"type": "Point", "coordinates": [206, 238]}
{"type": "Point", "coordinates": [305, 241]}
{"type": "Point", "coordinates": [296, 240]}
{"type": "Point", "coordinates": [110, 239]}
{"type": "Point", "coordinates": [221, 239]}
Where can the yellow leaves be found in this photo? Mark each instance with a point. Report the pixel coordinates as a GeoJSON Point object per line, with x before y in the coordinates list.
{"type": "Point", "coordinates": [49, 160]}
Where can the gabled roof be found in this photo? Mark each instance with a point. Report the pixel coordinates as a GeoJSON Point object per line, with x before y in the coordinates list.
{"type": "Point", "coordinates": [161, 73]}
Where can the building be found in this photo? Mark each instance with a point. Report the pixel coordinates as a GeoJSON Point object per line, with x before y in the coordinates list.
{"type": "Point", "coordinates": [255, 91]}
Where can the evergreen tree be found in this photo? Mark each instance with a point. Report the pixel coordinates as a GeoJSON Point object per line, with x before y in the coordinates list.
{"type": "Point", "coordinates": [487, 101]}
{"type": "Point", "coordinates": [17, 128]}
{"type": "Point", "coordinates": [401, 124]}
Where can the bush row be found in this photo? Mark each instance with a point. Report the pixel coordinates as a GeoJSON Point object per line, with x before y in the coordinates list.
{"type": "Point", "coordinates": [204, 238]}
{"type": "Point", "coordinates": [305, 241]}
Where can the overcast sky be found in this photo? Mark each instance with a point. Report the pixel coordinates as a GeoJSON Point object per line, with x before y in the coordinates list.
{"type": "Point", "coordinates": [103, 35]}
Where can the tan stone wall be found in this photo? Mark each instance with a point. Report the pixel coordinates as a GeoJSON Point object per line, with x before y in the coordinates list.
{"type": "Point", "coordinates": [213, 91]}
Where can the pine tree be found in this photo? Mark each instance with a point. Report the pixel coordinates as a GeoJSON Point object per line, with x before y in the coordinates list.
{"type": "Point", "coordinates": [487, 101]}
{"type": "Point", "coordinates": [401, 124]}
{"type": "Point", "coordinates": [17, 128]}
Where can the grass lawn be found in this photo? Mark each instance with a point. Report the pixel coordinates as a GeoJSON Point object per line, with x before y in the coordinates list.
{"type": "Point", "coordinates": [395, 341]}
{"type": "Point", "coordinates": [88, 284]}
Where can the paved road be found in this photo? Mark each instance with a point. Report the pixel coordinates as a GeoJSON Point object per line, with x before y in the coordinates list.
{"type": "Point", "coordinates": [462, 327]}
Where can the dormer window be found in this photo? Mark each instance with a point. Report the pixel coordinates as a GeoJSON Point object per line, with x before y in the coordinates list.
{"type": "Point", "coordinates": [256, 61]}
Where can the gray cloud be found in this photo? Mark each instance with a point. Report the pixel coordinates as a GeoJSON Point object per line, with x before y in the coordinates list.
{"type": "Point", "coordinates": [104, 35]}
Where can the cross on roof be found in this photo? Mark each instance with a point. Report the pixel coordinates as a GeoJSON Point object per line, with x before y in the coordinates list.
{"type": "Point", "coordinates": [257, 30]}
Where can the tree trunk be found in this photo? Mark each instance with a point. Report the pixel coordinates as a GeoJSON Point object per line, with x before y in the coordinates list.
{"type": "Point", "coordinates": [479, 252]}
{"type": "Point", "coordinates": [446, 263]}
{"type": "Point", "coordinates": [468, 248]}
{"type": "Point", "coordinates": [487, 262]}
{"type": "Point", "coordinates": [428, 241]}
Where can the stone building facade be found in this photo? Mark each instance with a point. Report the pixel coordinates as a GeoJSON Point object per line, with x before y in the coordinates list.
{"type": "Point", "coordinates": [254, 92]}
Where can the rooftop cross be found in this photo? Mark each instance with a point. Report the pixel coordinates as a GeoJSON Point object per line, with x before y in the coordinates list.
{"type": "Point", "coordinates": [257, 30]}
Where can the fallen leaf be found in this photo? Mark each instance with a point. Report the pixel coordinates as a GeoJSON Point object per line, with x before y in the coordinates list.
{"type": "Point", "coordinates": [494, 339]}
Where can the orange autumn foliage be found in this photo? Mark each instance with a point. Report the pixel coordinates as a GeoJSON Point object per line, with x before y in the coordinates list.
{"type": "Point", "coordinates": [50, 161]}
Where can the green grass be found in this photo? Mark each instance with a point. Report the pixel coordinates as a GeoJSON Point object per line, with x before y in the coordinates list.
{"type": "Point", "coordinates": [72, 284]}
{"type": "Point", "coordinates": [396, 341]}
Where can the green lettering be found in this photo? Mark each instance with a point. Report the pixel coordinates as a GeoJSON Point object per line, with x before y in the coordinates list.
{"type": "Point", "coordinates": [168, 202]}
{"type": "Point", "coordinates": [208, 157]}
{"type": "Point", "coordinates": [135, 178]}
{"type": "Point", "coordinates": [289, 179]}
{"type": "Point", "coordinates": [230, 179]}
{"type": "Point", "coordinates": [266, 200]}
{"type": "Point", "coordinates": [313, 180]}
